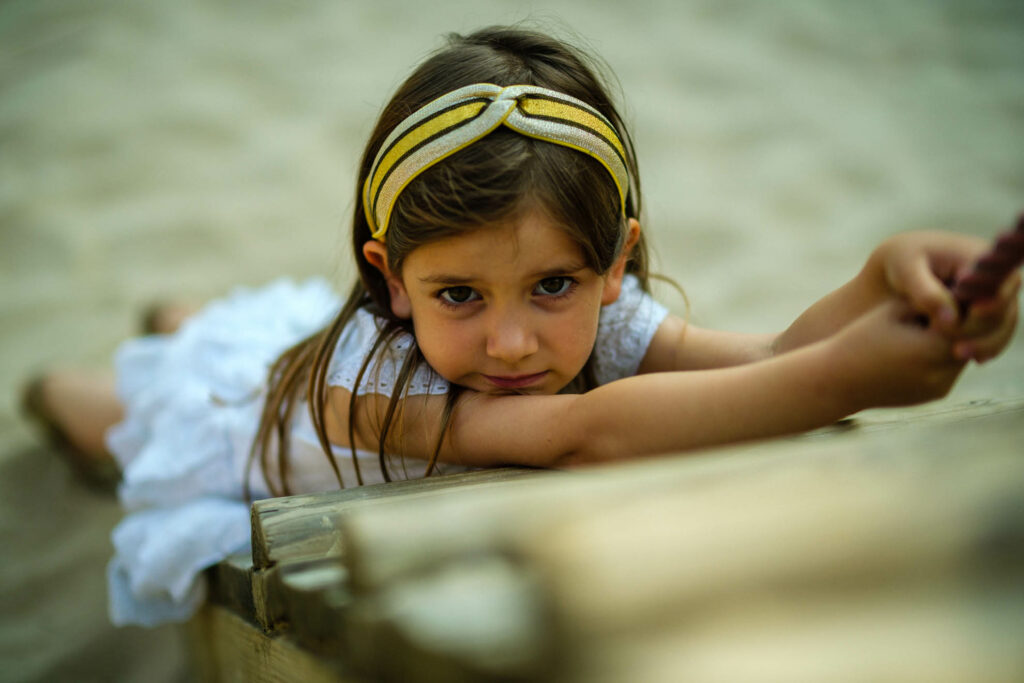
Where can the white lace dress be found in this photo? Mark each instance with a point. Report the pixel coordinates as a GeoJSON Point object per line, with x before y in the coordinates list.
{"type": "Point", "coordinates": [193, 401]}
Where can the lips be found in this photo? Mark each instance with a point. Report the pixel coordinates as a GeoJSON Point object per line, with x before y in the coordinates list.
{"type": "Point", "coordinates": [515, 381]}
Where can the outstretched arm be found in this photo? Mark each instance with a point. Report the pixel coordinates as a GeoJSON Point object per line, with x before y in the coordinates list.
{"type": "Point", "coordinates": [878, 360]}
{"type": "Point", "coordinates": [914, 267]}
{"type": "Point", "coordinates": [917, 267]}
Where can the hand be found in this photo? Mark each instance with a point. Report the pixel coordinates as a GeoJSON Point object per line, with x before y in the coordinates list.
{"type": "Point", "coordinates": [989, 324]}
{"type": "Point", "coordinates": [887, 358]}
{"type": "Point", "coordinates": [920, 266]}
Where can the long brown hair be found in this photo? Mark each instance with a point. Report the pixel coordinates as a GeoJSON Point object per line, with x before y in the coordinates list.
{"type": "Point", "coordinates": [487, 182]}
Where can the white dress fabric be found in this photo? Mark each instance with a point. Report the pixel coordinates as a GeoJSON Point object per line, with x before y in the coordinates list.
{"type": "Point", "coordinates": [192, 405]}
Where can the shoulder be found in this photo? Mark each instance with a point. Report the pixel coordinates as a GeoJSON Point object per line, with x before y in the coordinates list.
{"type": "Point", "coordinates": [633, 302]}
{"type": "Point", "coordinates": [625, 331]}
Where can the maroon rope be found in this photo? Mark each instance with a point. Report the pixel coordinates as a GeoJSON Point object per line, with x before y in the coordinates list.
{"type": "Point", "coordinates": [992, 269]}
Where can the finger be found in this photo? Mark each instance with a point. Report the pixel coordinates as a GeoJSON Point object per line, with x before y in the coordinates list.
{"type": "Point", "coordinates": [920, 342]}
{"type": "Point", "coordinates": [986, 316]}
{"type": "Point", "coordinates": [983, 319]}
{"type": "Point", "coordinates": [928, 295]}
{"type": "Point", "coordinates": [985, 348]}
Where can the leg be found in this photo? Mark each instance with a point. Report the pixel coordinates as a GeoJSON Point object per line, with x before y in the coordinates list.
{"type": "Point", "coordinates": [77, 407]}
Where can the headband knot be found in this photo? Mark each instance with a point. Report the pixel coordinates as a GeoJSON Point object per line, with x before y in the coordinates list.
{"type": "Point", "coordinates": [463, 116]}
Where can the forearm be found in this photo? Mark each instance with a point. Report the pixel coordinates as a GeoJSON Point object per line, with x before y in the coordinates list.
{"type": "Point", "coordinates": [653, 414]}
{"type": "Point", "coordinates": [671, 412]}
{"type": "Point", "coordinates": [833, 312]}
{"type": "Point", "coordinates": [914, 267]}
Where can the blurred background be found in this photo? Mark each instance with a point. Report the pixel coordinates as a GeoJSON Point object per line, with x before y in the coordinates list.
{"type": "Point", "coordinates": [165, 150]}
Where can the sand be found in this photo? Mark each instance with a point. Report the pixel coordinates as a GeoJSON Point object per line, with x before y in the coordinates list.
{"type": "Point", "coordinates": [153, 150]}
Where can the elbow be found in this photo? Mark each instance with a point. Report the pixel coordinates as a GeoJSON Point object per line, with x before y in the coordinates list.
{"type": "Point", "coordinates": [575, 430]}
{"type": "Point", "coordinates": [594, 452]}
{"type": "Point", "coordinates": [596, 431]}
{"type": "Point", "coordinates": [569, 450]}
{"type": "Point", "coordinates": [570, 459]}
{"type": "Point", "coordinates": [587, 443]}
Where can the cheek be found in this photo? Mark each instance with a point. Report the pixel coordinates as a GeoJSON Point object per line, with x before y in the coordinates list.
{"type": "Point", "coordinates": [444, 343]}
{"type": "Point", "coordinates": [574, 335]}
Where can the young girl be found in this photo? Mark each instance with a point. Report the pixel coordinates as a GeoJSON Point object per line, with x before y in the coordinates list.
{"type": "Point", "coordinates": [502, 316]}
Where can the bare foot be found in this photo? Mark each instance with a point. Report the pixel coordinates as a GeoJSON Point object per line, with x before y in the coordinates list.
{"type": "Point", "coordinates": [166, 317]}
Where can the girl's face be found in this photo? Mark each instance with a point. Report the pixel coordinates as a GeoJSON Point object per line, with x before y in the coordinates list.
{"type": "Point", "coordinates": [507, 308]}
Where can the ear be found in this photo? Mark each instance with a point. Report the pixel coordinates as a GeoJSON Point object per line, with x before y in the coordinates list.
{"type": "Point", "coordinates": [376, 255]}
{"type": "Point", "coordinates": [613, 278]}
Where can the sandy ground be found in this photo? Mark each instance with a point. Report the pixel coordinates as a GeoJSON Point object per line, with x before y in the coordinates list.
{"type": "Point", "coordinates": [176, 149]}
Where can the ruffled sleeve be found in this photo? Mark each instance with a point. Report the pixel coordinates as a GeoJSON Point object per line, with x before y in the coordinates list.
{"type": "Point", "coordinates": [381, 374]}
{"type": "Point", "coordinates": [625, 331]}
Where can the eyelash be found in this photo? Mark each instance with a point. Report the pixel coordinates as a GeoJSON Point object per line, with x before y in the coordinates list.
{"type": "Point", "coordinates": [442, 298]}
{"type": "Point", "coordinates": [568, 287]}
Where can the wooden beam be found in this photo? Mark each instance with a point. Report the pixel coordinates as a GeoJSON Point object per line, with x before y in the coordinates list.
{"type": "Point", "coordinates": [303, 527]}
{"type": "Point", "coordinates": [231, 649]}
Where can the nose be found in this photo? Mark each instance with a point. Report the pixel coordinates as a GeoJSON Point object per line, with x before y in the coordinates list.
{"type": "Point", "coordinates": [511, 338]}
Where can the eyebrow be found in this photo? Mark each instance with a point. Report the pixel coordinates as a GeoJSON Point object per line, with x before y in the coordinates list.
{"type": "Point", "coordinates": [459, 280]}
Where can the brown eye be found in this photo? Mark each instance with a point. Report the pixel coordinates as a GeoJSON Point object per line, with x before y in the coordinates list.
{"type": "Point", "coordinates": [457, 295]}
{"type": "Point", "coordinates": [553, 286]}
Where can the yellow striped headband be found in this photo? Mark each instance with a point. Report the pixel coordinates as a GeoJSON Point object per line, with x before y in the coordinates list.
{"type": "Point", "coordinates": [463, 116]}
